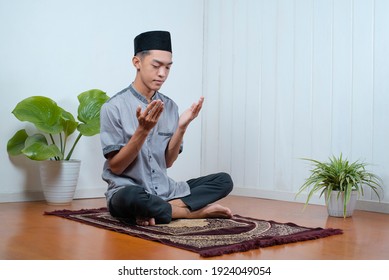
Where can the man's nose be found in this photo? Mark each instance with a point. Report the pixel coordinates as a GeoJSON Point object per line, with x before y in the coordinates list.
{"type": "Point", "coordinates": [162, 72]}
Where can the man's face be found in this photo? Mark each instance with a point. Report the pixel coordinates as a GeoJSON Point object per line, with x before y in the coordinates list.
{"type": "Point", "coordinates": [154, 68]}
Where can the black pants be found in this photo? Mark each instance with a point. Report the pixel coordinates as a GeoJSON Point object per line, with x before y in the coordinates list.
{"type": "Point", "coordinates": [132, 201]}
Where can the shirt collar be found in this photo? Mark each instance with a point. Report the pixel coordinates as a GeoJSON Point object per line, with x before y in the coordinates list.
{"type": "Point", "coordinates": [140, 96]}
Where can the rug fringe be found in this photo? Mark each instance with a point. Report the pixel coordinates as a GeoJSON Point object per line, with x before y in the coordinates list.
{"type": "Point", "coordinates": [262, 243]}
{"type": "Point", "coordinates": [66, 212]}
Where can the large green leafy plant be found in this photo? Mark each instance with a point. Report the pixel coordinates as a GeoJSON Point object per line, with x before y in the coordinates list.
{"type": "Point", "coordinates": [338, 174]}
{"type": "Point", "coordinates": [55, 125]}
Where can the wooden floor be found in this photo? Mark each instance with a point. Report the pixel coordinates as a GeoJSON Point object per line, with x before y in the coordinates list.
{"type": "Point", "coordinates": [25, 233]}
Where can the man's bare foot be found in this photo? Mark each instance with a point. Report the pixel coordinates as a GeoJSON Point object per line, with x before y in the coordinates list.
{"type": "Point", "coordinates": [180, 210]}
{"type": "Point", "coordinates": [145, 222]}
{"type": "Point", "coordinates": [214, 211]}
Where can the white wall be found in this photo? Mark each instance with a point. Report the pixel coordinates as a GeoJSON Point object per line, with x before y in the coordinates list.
{"type": "Point", "coordinates": [291, 79]}
{"type": "Point", "coordinates": [62, 48]}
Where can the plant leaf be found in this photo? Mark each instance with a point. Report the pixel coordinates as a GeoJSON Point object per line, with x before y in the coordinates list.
{"type": "Point", "coordinates": [15, 145]}
{"type": "Point", "coordinates": [91, 102]}
{"type": "Point", "coordinates": [42, 111]}
{"type": "Point", "coordinates": [37, 148]}
{"type": "Point", "coordinates": [91, 128]}
{"type": "Point", "coordinates": [69, 123]}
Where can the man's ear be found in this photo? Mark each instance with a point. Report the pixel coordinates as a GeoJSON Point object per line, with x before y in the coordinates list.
{"type": "Point", "coordinates": [136, 62]}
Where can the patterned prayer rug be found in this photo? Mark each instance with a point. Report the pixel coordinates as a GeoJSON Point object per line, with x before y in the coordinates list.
{"type": "Point", "coordinates": [207, 237]}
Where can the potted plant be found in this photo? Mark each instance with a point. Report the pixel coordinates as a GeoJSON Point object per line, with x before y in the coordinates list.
{"type": "Point", "coordinates": [341, 182]}
{"type": "Point", "coordinates": [49, 144]}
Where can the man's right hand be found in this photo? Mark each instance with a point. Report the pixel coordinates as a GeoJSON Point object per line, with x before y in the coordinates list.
{"type": "Point", "coordinates": [149, 117]}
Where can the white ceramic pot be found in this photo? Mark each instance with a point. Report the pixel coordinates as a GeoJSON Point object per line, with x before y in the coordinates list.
{"type": "Point", "coordinates": [59, 180]}
{"type": "Point", "coordinates": [335, 205]}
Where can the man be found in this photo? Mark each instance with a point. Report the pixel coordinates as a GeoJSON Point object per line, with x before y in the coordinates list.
{"type": "Point", "coordinates": [142, 135]}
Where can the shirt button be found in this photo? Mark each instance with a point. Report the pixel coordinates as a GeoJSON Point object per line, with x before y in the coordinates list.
{"type": "Point", "coordinates": [153, 171]}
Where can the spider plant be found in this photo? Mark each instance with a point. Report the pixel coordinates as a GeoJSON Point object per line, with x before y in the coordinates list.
{"type": "Point", "coordinates": [338, 174]}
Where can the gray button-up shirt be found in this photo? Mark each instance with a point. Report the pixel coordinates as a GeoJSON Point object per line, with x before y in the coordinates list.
{"type": "Point", "coordinates": [118, 124]}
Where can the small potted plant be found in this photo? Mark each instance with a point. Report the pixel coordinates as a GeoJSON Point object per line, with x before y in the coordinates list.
{"type": "Point", "coordinates": [341, 182]}
{"type": "Point", "coordinates": [49, 143]}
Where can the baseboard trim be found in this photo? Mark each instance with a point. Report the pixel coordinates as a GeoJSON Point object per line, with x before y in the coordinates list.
{"type": "Point", "coordinates": [38, 195]}
{"type": "Point", "coordinates": [21, 197]}
{"type": "Point", "coordinates": [366, 205]}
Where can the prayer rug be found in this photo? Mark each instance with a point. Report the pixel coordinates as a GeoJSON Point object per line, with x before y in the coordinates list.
{"type": "Point", "coordinates": [207, 237]}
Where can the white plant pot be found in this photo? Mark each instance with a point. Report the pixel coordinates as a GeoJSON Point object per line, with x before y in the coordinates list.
{"type": "Point", "coordinates": [335, 205]}
{"type": "Point", "coordinates": [59, 180]}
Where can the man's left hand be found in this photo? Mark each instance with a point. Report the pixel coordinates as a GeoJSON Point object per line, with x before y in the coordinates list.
{"type": "Point", "coordinates": [190, 114]}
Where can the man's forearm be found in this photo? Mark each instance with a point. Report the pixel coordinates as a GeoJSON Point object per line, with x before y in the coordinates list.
{"type": "Point", "coordinates": [120, 161]}
{"type": "Point", "coordinates": [173, 149]}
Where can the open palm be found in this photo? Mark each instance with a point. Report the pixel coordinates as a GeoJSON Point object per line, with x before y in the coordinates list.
{"type": "Point", "coordinates": [190, 114]}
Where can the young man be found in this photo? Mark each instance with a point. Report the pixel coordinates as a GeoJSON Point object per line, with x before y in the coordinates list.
{"type": "Point", "coordinates": [142, 135]}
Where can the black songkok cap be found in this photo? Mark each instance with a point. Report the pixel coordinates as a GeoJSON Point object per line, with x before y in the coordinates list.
{"type": "Point", "coordinates": [152, 40]}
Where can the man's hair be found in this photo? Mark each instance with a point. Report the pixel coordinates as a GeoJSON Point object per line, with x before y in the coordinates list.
{"type": "Point", "coordinates": [142, 54]}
